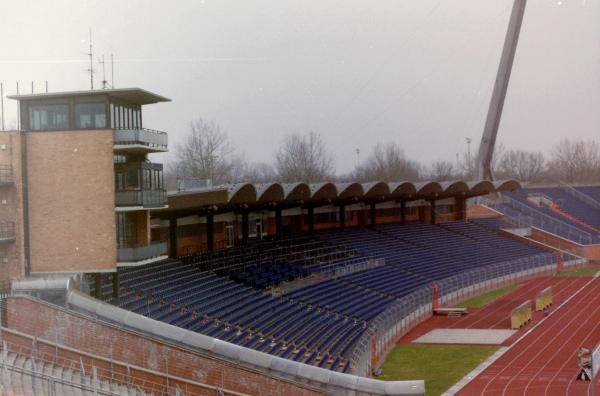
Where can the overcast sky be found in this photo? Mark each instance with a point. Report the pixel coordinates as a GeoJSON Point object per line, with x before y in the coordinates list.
{"type": "Point", "coordinates": [418, 72]}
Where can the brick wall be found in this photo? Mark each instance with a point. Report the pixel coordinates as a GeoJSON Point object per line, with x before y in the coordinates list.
{"type": "Point", "coordinates": [41, 320]}
{"type": "Point", "coordinates": [71, 200]}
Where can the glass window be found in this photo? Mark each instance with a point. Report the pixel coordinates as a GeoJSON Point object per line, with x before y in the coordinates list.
{"type": "Point", "coordinates": [90, 115]}
{"type": "Point", "coordinates": [112, 116]}
{"type": "Point", "coordinates": [49, 117]}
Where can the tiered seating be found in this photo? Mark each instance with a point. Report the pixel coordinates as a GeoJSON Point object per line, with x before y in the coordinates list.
{"type": "Point", "coordinates": [563, 226]}
{"type": "Point", "coordinates": [418, 254]}
{"type": "Point", "coordinates": [320, 323]}
{"type": "Point", "coordinates": [184, 296]}
{"type": "Point", "coordinates": [269, 274]}
{"type": "Point", "coordinates": [572, 205]}
{"type": "Point", "coordinates": [268, 262]}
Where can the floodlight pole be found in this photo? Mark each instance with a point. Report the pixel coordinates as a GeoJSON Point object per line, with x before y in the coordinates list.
{"type": "Point", "coordinates": [483, 169]}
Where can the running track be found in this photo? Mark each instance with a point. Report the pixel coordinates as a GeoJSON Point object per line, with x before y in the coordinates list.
{"type": "Point", "coordinates": [543, 361]}
{"type": "Point", "coordinates": [497, 314]}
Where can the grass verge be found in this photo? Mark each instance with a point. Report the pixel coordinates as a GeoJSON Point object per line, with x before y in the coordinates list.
{"type": "Point", "coordinates": [486, 298]}
{"type": "Point", "coordinates": [585, 271]}
{"type": "Point", "coordinates": [441, 366]}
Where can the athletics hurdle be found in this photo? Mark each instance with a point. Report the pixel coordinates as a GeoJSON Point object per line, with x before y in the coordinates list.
{"type": "Point", "coordinates": [521, 315]}
{"type": "Point", "coordinates": [544, 299]}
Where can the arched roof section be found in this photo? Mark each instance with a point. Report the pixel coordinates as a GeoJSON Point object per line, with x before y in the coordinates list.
{"type": "Point", "coordinates": [320, 191]}
{"type": "Point", "coordinates": [481, 187]}
{"type": "Point", "coordinates": [426, 189]}
{"type": "Point", "coordinates": [456, 187]}
{"type": "Point", "coordinates": [374, 189]}
{"type": "Point", "coordinates": [269, 192]}
{"type": "Point", "coordinates": [349, 190]}
{"type": "Point", "coordinates": [241, 193]}
{"type": "Point", "coordinates": [296, 191]}
{"type": "Point", "coordinates": [507, 185]}
{"type": "Point", "coordinates": [402, 189]}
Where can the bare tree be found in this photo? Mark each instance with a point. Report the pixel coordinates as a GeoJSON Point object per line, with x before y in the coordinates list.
{"type": "Point", "coordinates": [442, 171]}
{"type": "Point", "coordinates": [522, 165]}
{"type": "Point", "coordinates": [304, 158]}
{"type": "Point", "coordinates": [260, 173]}
{"type": "Point", "coordinates": [387, 162]}
{"type": "Point", "coordinates": [469, 161]}
{"type": "Point", "coordinates": [575, 161]}
{"type": "Point", "coordinates": [207, 154]}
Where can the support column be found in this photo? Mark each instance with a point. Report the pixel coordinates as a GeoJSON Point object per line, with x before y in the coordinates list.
{"type": "Point", "coordinates": [116, 285]}
{"type": "Point", "coordinates": [432, 211]}
{"type": "Point", "coordinates": [278, 223]}
{"type": "Point", "coordinates": [173, 238]}
{"type": "Point", "coordinates": [245, 228]}
{"type": "Point", "coordinates": [210, 229]}
{"type": "Point", "coordinates": [98, 286]}
{"type": "Point", "coordinates": [402, 212]}
{"type": "Point", "coordinates": [373, 214]}
{"type": "Point", "coordinates": [462, 207]}
{"type": "Point", "coordinates": [311, 220]}
{"type": "Point", "coordinates": [342, 217]}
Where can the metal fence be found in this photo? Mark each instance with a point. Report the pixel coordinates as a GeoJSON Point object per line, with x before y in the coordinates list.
{"type": "Point", "coordinates": [138, 253]}
{"type": "Point", "coordinates": [90, 374]}
{"type": "Point", "coordinates": [143, 136]}
{"type": "Point", "coordinates": [582, 196]}
{"type": "Point", "coordinates": [526, 216]}
{"type": "Point", "coordinates": [406, 312]}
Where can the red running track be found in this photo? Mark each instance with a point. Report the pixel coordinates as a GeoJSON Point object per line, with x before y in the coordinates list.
{"type": "Point", "coordinates": [496, 315]}
{"type": "Point", "coordinates": [544, 362]}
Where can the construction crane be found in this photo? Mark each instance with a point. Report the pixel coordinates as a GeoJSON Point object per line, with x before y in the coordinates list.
{"type": "Point", "coordinates": [483, 169]}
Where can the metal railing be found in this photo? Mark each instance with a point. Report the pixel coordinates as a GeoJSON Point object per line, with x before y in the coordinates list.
{"type": "Point", "coordinates": [7, 231]}
{"type": "Point", "coordinates": [582, 196]}
{"type": "Point", "coordinates": [406, 312]}
{"type": "Point", "coordinates": [524, 215]}
{"type": "Point", "coordinates": [145, 198]}
{"type": "Point", "coordinates": [139, 253]}
{"type": "Point", "coordinates": [7, 176]}
{"type": "Point", "coordinates": [94, 370]}
{"type": "Point", "coordinates": [142, 136]}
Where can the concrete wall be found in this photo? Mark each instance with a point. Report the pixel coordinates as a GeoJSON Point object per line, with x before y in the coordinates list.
{"type": "Point", "coordinates": [71, 201]}
{"type": "Point", "coordinates": [11, 207]}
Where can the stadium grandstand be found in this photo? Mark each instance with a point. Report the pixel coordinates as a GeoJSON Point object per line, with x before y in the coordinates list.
{"type": "Point", "coordinates": [243, 288]}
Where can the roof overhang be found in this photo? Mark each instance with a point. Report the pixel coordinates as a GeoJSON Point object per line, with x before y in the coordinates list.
{"type": "Point", "coordinates": [132, 95]}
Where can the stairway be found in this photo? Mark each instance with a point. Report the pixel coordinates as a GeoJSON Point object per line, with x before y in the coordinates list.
{"type": "Point", "coordinates": [18, 377]}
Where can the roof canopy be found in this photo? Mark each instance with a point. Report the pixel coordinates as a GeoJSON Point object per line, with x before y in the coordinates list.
{"type": "Point", "coordinates": [133, 95]}
{"type": "Point", "coordinates": [233, 197]}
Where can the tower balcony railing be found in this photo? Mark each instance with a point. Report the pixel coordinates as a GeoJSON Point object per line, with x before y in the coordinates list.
{"type": "Point", "coordinates": [140, 138]}
{"type": "Point", "coordinates": [133, 254]}
{"type": "Point", "coordinates": [145, 198]}
{"type": "Point", "coordinates": [7, 232]}
{"type": "Point", "coordinates": [7, 176]}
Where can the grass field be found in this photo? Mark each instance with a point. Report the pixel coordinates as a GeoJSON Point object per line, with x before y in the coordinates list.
{"type": "Point", "coordinates": [585, 271]}
{"type": "Point", "coordinates": [441, 366]}
{"type": "Point", "coordinates": [486, 298]}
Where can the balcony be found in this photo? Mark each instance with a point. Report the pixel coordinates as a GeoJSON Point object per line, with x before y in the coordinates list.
{"type": "Point", "coordinates": [141, 198]}
{"type": "Point", "coordinates": [140, 140]}
{"type": "Point", "coordinates": [144, 253]}
{"type": "Point", "coordinates": [7, 232]}
{"type": "Point", "coordinates": [7, 177]}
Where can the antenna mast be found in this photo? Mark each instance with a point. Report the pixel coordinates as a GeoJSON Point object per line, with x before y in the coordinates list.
{"type": "Point", "coordinates": [103, 63]}
{"type": "Point", "coordinates": [91, 56]}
